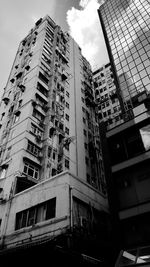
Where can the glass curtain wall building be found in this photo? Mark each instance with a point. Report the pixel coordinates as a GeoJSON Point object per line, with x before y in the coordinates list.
{"type": "Point", "coordinates": [126, 28]}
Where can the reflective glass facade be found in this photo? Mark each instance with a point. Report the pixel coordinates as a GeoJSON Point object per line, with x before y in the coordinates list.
{"type": "Point", "coordinates": [126, 26]}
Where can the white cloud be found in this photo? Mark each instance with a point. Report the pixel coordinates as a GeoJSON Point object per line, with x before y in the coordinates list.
{"type": "Point", "coordinates": [83, 3]}
{"type": "Point", "coordinates": [85, 29]}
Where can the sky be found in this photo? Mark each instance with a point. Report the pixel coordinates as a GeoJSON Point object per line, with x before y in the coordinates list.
{"type": "Point", "coordinates": [79, 17]}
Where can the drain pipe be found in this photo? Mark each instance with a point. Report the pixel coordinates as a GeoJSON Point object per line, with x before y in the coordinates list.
{"type": "Point", "coordinates": [70, 207]}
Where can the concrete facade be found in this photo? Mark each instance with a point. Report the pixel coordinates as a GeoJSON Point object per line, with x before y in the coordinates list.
{"type": "Point", "coordinates": [52, 178]}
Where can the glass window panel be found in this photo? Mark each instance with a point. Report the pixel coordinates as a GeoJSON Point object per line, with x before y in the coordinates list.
{"type": "Point", "coordinates": [138, 61]}
{"type": "Point", "coordinates": [40, 216]}
{"type": "Point", "coordinates": [145, 134]}
{"type": "Point", "coordinates": [31, 216]}
{"type": "Point", "coordinates": [140, 67]}
{"type": "Point", "coordinates": [136, 77]}
{"type": "Point", "coordinates": [131, 65]}
{"type": "Point", "coordinates": [146, 63]}
{"type": "Point", "coordinates": [143, 73]}
{"type": "Point", "coordinates": [148, 70]}
{"type": "Point", "coordinates": [30, 172]}
{"type": "Point", "coordinates": [24, 219]}
{"type": "Point", "coordinates": [129, 59]}
{"type": "Point", "coordinates": [146, 80]}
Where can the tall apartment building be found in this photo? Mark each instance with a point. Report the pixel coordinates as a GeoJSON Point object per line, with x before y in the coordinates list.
{"type": "Point", "coordinates": [126, 30]}
{"type": "Point", "coordinates": [52, 181]}
{"type": "Point", "coordinates": [108, 108]}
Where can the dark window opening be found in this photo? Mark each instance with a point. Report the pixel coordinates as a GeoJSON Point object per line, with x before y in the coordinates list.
{"type": "Point", "coordinates": [41, 88]}
{"type": "Point", "coordinates": [43, 78]}
{"type": "Point", "coordinates": [41, 212]}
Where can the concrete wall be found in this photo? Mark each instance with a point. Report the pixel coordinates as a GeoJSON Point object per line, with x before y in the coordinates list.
{"type": "Point", "coordinates": [58, 187]}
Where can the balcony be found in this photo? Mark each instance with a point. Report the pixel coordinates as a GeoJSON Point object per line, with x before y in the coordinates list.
{"type": "Point", "coordinates": [24, 182]}
{"type": "Point", "coordinates": [62, 54]}
{"type": "Point", "coordinates": [38, 108]}
{"type": "Point", "coordinates": [32, 159]}
{"type": "Point", "coordinates": [44, 79]}
{"type": "Point", "coordinates": [42, 89]}
{"type": "Point", "coordinates": [39, 94]}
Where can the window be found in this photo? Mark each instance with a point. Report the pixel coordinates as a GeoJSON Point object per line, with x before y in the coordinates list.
{"type": "Point", "coordinates": [38, 115]}
{"type": "Point", "coordinates": [33, 149]}
{"type": "Point", "coordinates": [67, 163]}
{"type": "Point", "coordinates": [12, 133]}
{"type": "Point", "coordinates": [47, 51]}
{"type": "Point", "coordinates": [84, 132]}
{"type": "Point", "coordinates": [49, 151]}
{"type": "Point", "coordinates": [31, 170]}
{"type": "Point", "coordinates": [3, 172]}
{"type": "Point", "coordinates": [54, 155]}
{"type": "Point", "coordinates": [67, 130]}
{"type": "Point", "coordinates": [86, 161]}
{"type": "Point", "coordinates": [43, 78]}
{"type": "Point", "coordinates": [41, 212]}
{"type": "Point", "coordinates": [46, 59]}
{"type": "Point", "coordinates": [82, 99]}
{"type": "Point", "coordinates": [115, 109]}
{"type": "Point", "coordinates": [67, 117]}
{"type": "Point", "coordinates": [67, 105]}
{"type": "Point", "coordinates": [16, 95]}
{"type": "Point", "coordinates": [8, 152]}
{"type": "Point", "coordinates": [67, 93]}
{"type": "Point", "coordinates": [88, 178]}
{"type": "Point", "coordinates": [2, 115]}
{"type": "Point", "coordinates": [20, 103]}
{"type": "Point", "coordinates": [84, 121]}
{"type": "Point", "coordinates": [35, 130]}
{"type": "Point", "coordinates": [109, 111]}
{"type": "Point", "coordinates": [67, 147]}
{"type": "Point", "coordinates": [16, 118]}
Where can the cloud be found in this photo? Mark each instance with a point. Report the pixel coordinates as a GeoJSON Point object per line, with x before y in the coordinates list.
{"type": "Point", "coordinates": [85, 28]}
